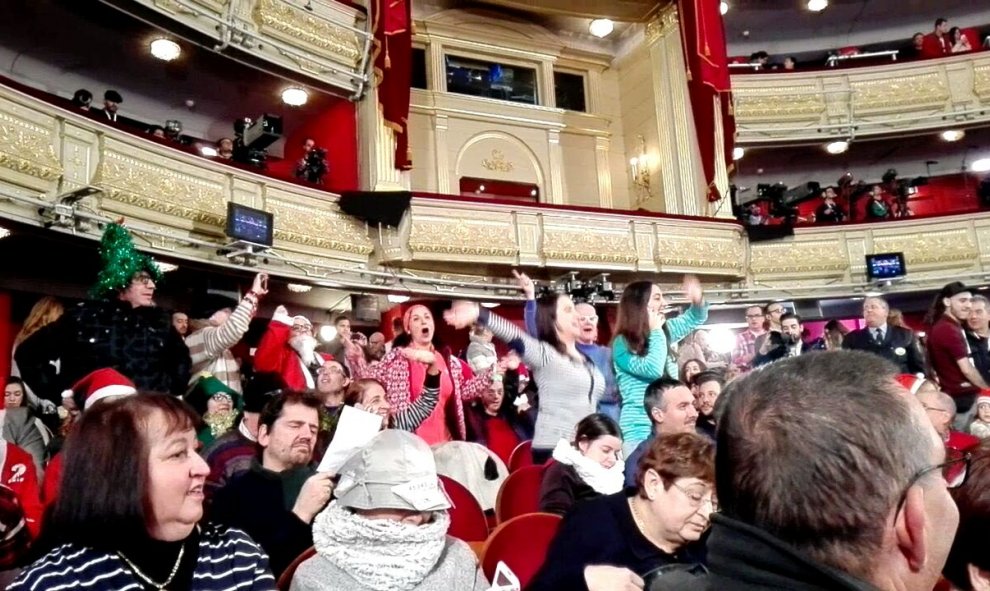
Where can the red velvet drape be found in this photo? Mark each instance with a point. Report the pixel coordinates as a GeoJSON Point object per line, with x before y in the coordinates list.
{"type": "Point", "coordinates": [335, 129]}
{"type": "Point", "coordinates": [8, 330]}
{"type": "Point", "coordinates": [703, 37]}
{"type": "Point", "coordinates": [393, 70]}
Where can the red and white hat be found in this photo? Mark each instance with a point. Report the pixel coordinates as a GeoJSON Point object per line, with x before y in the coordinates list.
{"type": "Point", "coordinates": [910, 381]}
{"type": "Point", "coordinates": [99, 385]}
{"type": "Point", "coordinates": [983, 398]}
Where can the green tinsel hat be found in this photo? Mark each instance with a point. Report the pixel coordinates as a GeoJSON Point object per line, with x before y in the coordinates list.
{"type": "Point", "coordinates": [121, 261]}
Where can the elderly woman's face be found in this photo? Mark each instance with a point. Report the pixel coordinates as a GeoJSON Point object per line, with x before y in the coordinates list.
{"type": "Point", "coordinates": [176, 474]}
{"type": "Point", "coordinates": [219, 403]}
{"type": "Point", "coordinates": [399, 515]}
{"type": "Point", "coordinates": [683, 510]}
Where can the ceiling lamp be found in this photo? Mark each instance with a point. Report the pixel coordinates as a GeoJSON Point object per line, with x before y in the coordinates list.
{"type": "Point", "coordinates": [165, 49]}
{"type": "Point", "coordinates": [327, 333]}
{"type": "Point", "coordinates": [166, 267]}
{"type": "Point", "coordinates": [208, 151]}
{"type": "Point", "coordinates": [489, 305]}
{"type": "Point", "coordinates": [601, 27]}
{"type": "Point", "coordinates": [299, 287]}
{"type": "Point", "coordinates": [397, 299]}
{"type": "Point", "coordinates": [738, 152]}
{"type": "Point", "coordinates": [817, 5]}
{"type": "Point", "coordinates": [723, 7]}
{"type": "Point", "coordinates": [981, 165]}
{"type": "Point", "coordinates": [953, 135]}
{"type": "Point", "coordinates": [838, 147]}
{"type": "Point", "coordinates": [295, 96]}
{"type": "Point", "coordinates": [4, 232]}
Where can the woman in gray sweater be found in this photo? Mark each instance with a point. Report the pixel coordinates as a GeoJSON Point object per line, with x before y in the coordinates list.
{"type": "Point", "coordinates": [387, 528]}
{"type": "Point", "coordinates": [569, 384]}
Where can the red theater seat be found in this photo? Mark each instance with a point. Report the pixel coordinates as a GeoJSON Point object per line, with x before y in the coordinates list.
{"type": "Point", "coordinates": [522, 544]}
{"type": "Point", "coordinates": [520, 493]}
{"type": "Point", "coordinates": [521, 456]}
{"type": "Point", "coordinates": [467, 518]}
{"type": "Point", "coordinates": [285, 581]}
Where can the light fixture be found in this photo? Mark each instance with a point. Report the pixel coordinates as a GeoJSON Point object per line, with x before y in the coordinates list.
{"type": "Point", "coordinates": [165, 49]}
{"type": "Point", "coordinates": [723, 7]}
{"type": "Point", "coordinates": [601, 27]}
{"type": "Point", "coordinates": [295, 96]}
{"type": "Point", "coordinates": [721, 339]}
{"type": "Point", "coordinates": [4, 232]}
{"type": "Point", "coordinates": [533, 192]}
{"type": "Point", "coordinates": [640, 167]}
{"type": "Point", "coordinates": [738, 152]}
{"type": "Point", "coordinates": [327, 333]}
{"type": "Point", "coordinates": [981, 165]}
{"type": "Point", "coordinates": [817, 5]}
{"type": "Point", "coordinates": [208, 151]}
{"type": "Point", "coordinates": [953, 135]}
{"type": "Point", "coordinates": [838, 147]}
{"type": "Point", "coordinates": [489, 305]}
{"type": "Point", "coordinates": [166, 267]}
{"type": "Point", "coordinates": [299, 287]}
{"type": "Point", "coordinates": [397, 299]}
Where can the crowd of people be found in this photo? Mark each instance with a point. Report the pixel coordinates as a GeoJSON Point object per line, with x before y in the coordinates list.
{"type": "Point", "coordinates": [146, 449]}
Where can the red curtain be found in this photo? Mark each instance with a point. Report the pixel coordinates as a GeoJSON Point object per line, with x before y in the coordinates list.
{"type": "Point", "coordinates": [703, 36]}
{"type": "Point", "coordinates": [393, 70]}
{"type": "Point", "coordinates": [335, 129]}
{"type": "Point", "coordinates": [8, 330]}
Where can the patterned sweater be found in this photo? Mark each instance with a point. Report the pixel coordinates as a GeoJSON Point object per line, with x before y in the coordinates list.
{"type": "Point", "coordinates": [209, 347]}
{"type": "Point", "coordinates": [228, 560]}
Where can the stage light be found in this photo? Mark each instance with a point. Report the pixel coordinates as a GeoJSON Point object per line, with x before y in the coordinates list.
{"type": "Point", "coordinates": [601, 27]}
{"type": "Point", "coordinates": [817, 5]}
{"type": "Point", "coordinates": [723, 7]}
{"type": "Point", "coordinates": [165, 49]}
{"type": "Point", "coordinates": [397, 299]}
{"type": "Point", "coordinates": [299, 287]}
{"type": "Point", "coordinates": [295, 96]}
{"type": "Point", "coordinates": [738, 153]}
{"type": "Point", "coordinates": [953, 135]}
{"type": "Point", "coordinates": [981, 165]}
{"type": "Point", "coordinates": [838, 147]}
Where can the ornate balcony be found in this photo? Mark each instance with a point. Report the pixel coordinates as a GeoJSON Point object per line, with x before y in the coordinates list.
{"type": "Point", "coordinates": [175, 201]}
{"type": "Point", "coordinates": [824, 105]}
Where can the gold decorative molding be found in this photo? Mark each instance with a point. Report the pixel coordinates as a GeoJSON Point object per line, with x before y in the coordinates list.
{"type": "Point", "coordinates": [581, 245]}
{"type": "Point", "coordinates": [780, 104]}
{"type": "Point", "coordinates": [459, 237]}
{"type": "Point", "coordinates": [140, 183]}
{"type": "Point", "coordinates": [916, 91]}
{"type": "Point", "coordinates": [324, 228]}
{"type": "Point", "coordinates": [981, 82]}
{"type": "Point", "coordinates": [665, 22]}
{"type": "Point", "coordinates": [294, 25]}
{"type": "Point", "coordinates": [27, 148]}
{"type": "Point", "coordinates": [797, 257]}
{"type": "Point", "coordinates": [716, 254]}
{"type": "Point", "coordinates": [930, 248]}
{"type": "Point", "coordinates": [498, 162]}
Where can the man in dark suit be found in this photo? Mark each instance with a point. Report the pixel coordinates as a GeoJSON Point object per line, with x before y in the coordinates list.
{"type": "Point", "coordinates": [891, 342]}
{"type": "Point", "coordinates": [789, 344]}
{"type": "Point", "coordinates": [108, 114]}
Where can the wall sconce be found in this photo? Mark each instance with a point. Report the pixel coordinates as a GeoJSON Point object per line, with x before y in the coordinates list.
{"type": "Point", "coordinates": [640, 167]}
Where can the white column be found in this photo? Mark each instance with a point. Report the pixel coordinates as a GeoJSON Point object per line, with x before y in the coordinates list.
{"type": "Point", "coordinates": [376, 144]}
{"type": "Point", "coordinates": [442, 155]}
{"type": "Point", "coordinates": [604, 172]}
{"type": "Point", "coordinates": [547, 98]}
{"type": "Point", "coordinates": [555, 180]}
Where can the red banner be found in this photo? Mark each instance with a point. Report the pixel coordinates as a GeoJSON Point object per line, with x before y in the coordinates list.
{"type": "Point", "coordinates": [703, 36]}
{"type": "Point", "coordinates": [393, 70]}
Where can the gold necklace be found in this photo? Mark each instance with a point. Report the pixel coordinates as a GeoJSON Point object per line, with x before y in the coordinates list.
{"type": "Point", "coordinates": [641, 524]}
{"type": "Point", "coordinates": [147, 579]}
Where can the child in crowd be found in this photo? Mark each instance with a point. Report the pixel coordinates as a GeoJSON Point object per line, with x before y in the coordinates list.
{"type": "Point", "coordinates": [981, 422]}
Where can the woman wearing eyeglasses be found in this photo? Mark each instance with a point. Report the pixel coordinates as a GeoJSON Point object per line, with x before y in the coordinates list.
{"type": "Point", "coordinates": [658, 523]}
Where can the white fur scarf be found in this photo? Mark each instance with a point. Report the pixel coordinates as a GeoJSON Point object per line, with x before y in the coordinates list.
{"type": "Point", "coordinates": [383, 555]}
{"type": "Point", "coordinates": [602, 480]}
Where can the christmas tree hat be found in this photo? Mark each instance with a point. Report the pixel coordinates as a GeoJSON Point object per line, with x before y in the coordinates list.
{"type": "Point", "coordinates": [121, 261]}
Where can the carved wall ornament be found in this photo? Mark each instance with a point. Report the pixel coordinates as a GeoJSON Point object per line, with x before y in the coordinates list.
{"type": "Point", "coordinates": [917, 91]}
{"type": "Point", "coordinates": [789, 103]}
{"type": "Point", "coordinates": [981, 82]}
{"type": "Point", "coordinates": [26, 147]}
{"type": "Point", "coordinates": [586, 245]}
{"type": "Point", "coordinates": [713, 253]}
{"type": "Point", "coordinates": [294, 25]}
{"type": "Point", "coordinates": [458, 237]}
{"type": "Point", "coordinates": [666, 21]}
{"type": "Point", "coordinates": [940, 248]}
{"type": "Point", "coordinates": [818, 258]}
{"type": "Point", "coordinates": [319, 227]}
{"type": "Point", "coordinates": [498, 163]}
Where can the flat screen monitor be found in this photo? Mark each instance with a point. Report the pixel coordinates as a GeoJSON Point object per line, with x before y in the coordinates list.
{"type": "Point", "coordinates": [246, 224]}
{"type": "Point", "coordinates": [886, 266]}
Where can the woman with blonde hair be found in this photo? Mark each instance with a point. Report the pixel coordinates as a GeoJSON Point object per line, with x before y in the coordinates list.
{"type": "Point", "coordinates": [44, 312]}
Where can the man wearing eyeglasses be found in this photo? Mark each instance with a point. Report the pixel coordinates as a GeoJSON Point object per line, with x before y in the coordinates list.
{"type": "Point", "coordinates": [288, 348]}
{"type": "Point", "coordinates": [742, 355]}
{"type": "Point", "coordinates": [829, 478]}
{"type": "Point", "coordinates": [941, 411]}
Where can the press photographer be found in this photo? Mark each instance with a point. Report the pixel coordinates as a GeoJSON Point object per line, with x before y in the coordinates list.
{"type": "Point", "coordinates": [313, 165]}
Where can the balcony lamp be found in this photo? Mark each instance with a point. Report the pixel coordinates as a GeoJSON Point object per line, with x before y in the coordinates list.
{"type": "Point", "coordinates": [817, 5]}
{"type": "Point", "coordinates": [738, 152]}
{"type": "Point", "coordinates": [601, 27]}
{"type": "Point", "coordinates": [640, 167]}
{"type": "Point", "coordinates": [981, 165]}
{"type": "Point", "coordinates": [299, 287]}
{"type": "Point", "coordinates": [723, 7]}
{"type": "Point", "coordinates": [397, 299]}
{"type": "Point", "coordinates": [165, 49]}
{"type": "Point", "coordinates": [295, 96]}
{"type": "Point", "coordinates": [327, 333]}
{"type": "Point", "coordinates": [953, 135]}
{"type": "Point", "coordinates": [839, 147]}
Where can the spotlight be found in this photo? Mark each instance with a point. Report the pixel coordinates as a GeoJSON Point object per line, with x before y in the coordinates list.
{"type": "Point", "coordinates": [295, 96]}
{"type": "Point", "coordinates": [397, 299]}
{"type": "Point", "coordinates": [817, 5]}
{"type": "Point", "coordinates": [601, 27]}
{"type": "Point", "coordinates": [738, 153]}
{"type": "Point", "coordinates": [299, 287]}
{"type": "Point", "coordinates": [723, 7]}
{"type": "Point", "coordinates": [165, 49]}
{"type": "Point", "coordinates": [953, 135]}
{"type": "Point", "coordinates": [838, 147]}
{"type": "Point", "coordinates": [981, 165]}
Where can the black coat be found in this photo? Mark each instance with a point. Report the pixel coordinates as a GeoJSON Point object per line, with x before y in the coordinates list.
{"type": "Point", "coordinates": [899, 345]}
{"type": "Point", "coordinates": [744, 558]}
{"type": "Point", "coordinates": [139, 342]}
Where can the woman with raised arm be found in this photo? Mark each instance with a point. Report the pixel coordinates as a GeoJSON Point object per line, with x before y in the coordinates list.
{"type": "Point", "coordinates": [569, 383]}
{"type": "Point", "coordinates": [641, 348]}
{"type": "Point", "coordinates": [420, 377]}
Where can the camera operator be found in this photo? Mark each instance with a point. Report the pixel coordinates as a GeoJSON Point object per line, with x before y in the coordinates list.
{"type": "Point", "coordinates": [313, 165]}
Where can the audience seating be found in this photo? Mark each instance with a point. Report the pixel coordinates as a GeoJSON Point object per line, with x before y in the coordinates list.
{"type": "Point", "coordinates": [521, 456]}
{"type": "Point", "coordinates": [520, 493]}
{"type": "Point", "coordinates": [285, 581]}
{"type": "Point", "coordinates": [467, 519]}
{"type": "Point", "coordinates": [522, 544]}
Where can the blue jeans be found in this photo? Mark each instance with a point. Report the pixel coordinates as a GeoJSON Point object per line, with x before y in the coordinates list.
{"type": "Point", "coordinates": [610, 409]}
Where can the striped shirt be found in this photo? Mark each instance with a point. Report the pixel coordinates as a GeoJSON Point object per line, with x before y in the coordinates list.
{"type": "Point", "coordinates": [569, 389]}
{"type": "Point", "coordinates": [228, 561]}
{"type": "Point", "coordinates": [209, 347]}
{"type": "Point", "coordinates": [635, 372]}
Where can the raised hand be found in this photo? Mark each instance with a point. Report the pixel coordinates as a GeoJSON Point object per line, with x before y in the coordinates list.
{"type": "Point", "coordinates": [260, 285]}
{"type": "Point", "coordinates": [692, 289]}
{"type": "Point", "coordinates": [525, 284]}
{"type": "Point", "coordinates": [462, 314]}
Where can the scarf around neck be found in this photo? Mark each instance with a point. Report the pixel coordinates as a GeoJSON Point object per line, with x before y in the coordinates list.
{"type": "Point", "coordinates": [601, 480]}
{"type": "Point", "coordinates": [383, 555]}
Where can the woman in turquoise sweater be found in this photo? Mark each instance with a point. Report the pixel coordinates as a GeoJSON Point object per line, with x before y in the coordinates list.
{"type": "Point", "coordinates": [640, 349]}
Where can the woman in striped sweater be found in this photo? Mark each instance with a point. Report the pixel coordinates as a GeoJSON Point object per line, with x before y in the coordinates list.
{"type": "Point", "coordinates": [569, 384]}
{"type": "Point", "coordinates": [641, 348]}
{"type": "Point", "coordinates": [127, 516]}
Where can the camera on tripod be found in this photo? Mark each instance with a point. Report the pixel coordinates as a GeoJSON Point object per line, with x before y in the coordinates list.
{"type": "Point", "coordinates": [253, 138]}
{"type": "Point", "coordinates": [314, 166]}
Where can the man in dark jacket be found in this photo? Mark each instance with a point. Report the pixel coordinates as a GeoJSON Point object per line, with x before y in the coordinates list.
{"type": "Point", "coordinates": [122, 329]}
{"type": "Point", "coordinates": [831, 479]}
{"type": "Point", "coordinates": [890, 342]}
{"type": "Point", "coordinates": [276, 501]}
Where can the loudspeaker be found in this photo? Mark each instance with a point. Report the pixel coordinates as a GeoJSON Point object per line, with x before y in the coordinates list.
{"type": "Point", "coordinates": [376, 207]}
{"type": "Point", "coordinates": [764, 233]}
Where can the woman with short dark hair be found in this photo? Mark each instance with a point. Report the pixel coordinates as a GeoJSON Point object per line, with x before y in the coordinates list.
{"type": "Point", "coordinates": [129, 509]}
{"type": "Point", "coordinates": [587, 467]}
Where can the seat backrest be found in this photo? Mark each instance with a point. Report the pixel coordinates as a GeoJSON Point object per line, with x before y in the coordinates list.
{"type": "Point", "coordinates": [520, 493]}
{"type": "Point", "coordinates": [522, 544]}
{"type": "Point", "coordinates": [285, 580]}
{"type": "Point", "coordinates": [467, 519]}
{"type": "Point", "coordinates": [521, 456]}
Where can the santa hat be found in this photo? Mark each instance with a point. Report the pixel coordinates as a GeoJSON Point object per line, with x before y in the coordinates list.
{"type": "Point", "coordinates": [99, 385]}
{"type": "Point", "coordinates": [910, 381]}
{"type": "Point", "coordinates": [983, 398]}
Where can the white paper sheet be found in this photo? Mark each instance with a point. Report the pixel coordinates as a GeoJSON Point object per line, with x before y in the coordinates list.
{"type": "Point", "coordinates": [355, 428]}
